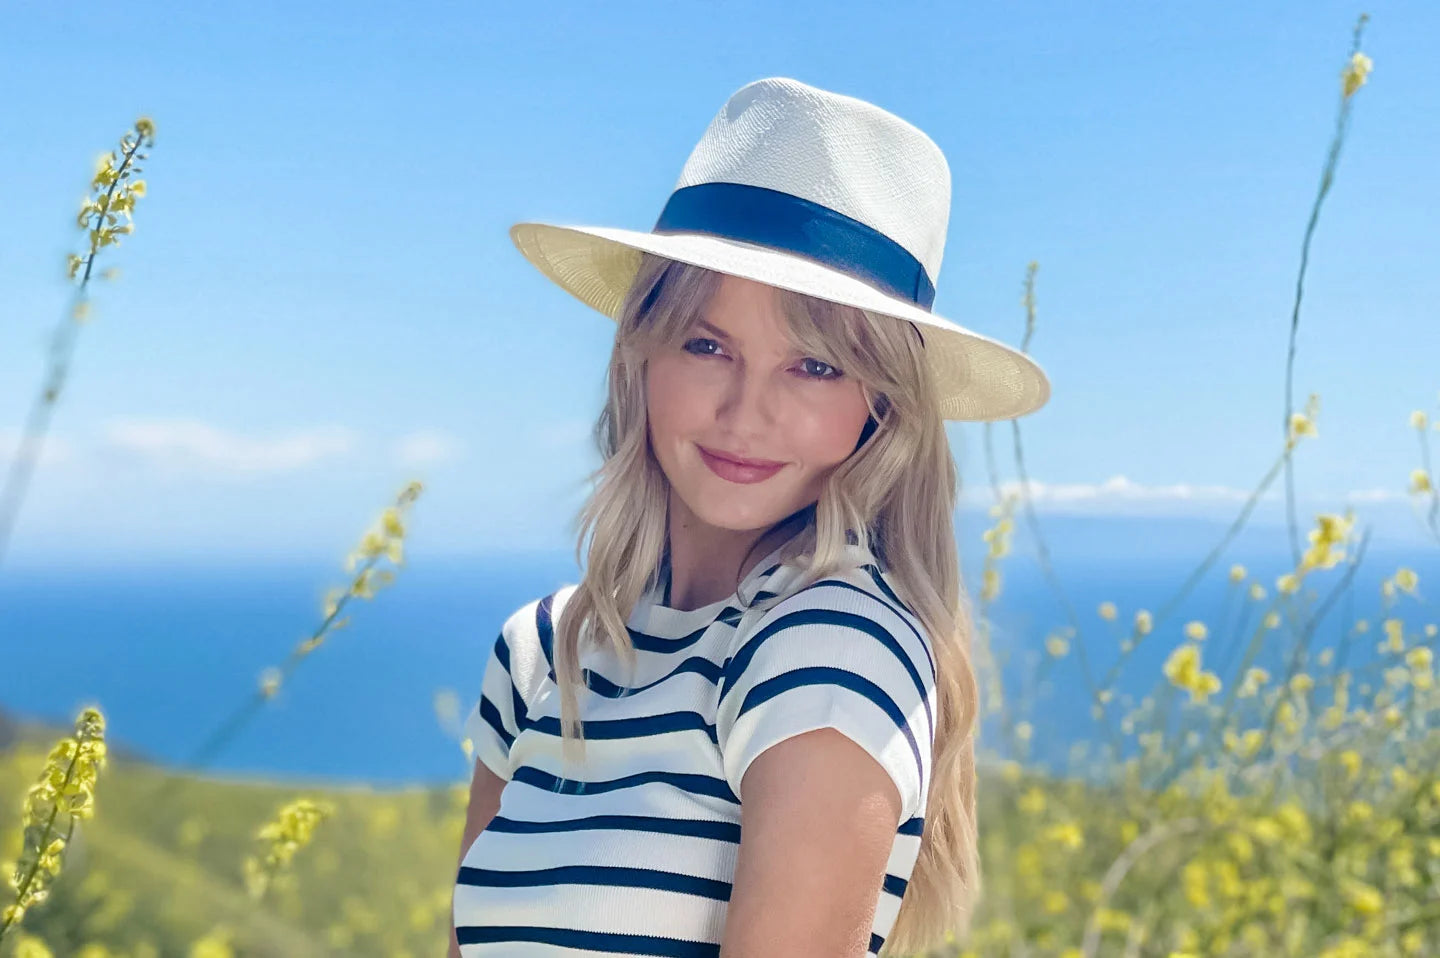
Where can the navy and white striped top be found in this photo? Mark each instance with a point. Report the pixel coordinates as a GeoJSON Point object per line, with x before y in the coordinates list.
{"type": "Point", "coordinates": [634, 853]}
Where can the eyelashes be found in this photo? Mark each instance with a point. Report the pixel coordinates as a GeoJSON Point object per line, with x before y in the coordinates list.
{"type": "Point", "coordinates": [829, 371]}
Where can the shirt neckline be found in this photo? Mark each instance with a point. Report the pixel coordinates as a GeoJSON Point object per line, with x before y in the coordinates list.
{"type": "Point", "coordinates": [653, 616]}
{"type": "Point", "coordinates": [658, 620]}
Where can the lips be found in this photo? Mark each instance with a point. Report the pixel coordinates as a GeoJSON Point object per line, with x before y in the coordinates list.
{"type": "Point", "coordinates": [743, 470]}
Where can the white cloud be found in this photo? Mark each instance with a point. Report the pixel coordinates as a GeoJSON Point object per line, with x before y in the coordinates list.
{"type": "Point", "coordinates": [1119, 489]}
{"type": "Point", "coordinates": [426, 447]}
{"type": "Point", "coordinates": [189, 443]}
{"type": "Point", "coordinates": [1380, 494]}
{"type": "Point", "coordinates": [53, 451]}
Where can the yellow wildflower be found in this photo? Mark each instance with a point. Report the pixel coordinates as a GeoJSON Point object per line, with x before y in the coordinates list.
{"type": "Point", "coordinates": [1196, 631]}
{"type": "Point", "coordinates": [1237, 572]}
{"type": "Point", "coordinates": [1363, 898]}
{"type": "Point", "coordinates": [1359, 811]}
{"type": "Point", "coordinates": [63, 797]}
{"type": "Point", "coordinates": [1194, 880]}
{"type": "Point", "coordinates": [1355, 73]}
{"type": "Point", "coordinates": [1293, 819]}
{"type": "Point", "coordinates": [1287, 583]}
{"type": "Point", "coordinates": [1246, 745]}
{"type": "Point", "coordinates": [1183, 665]}
{"type": "Point", "coordinates": [1266, 829]}
{"type": "Point", "coordinates": [1250, 684]}
{"type": "Point", "coordinates": [1394, 636]}
{"type": "Point", "coordinates": [28, 946]}
{"type": "Point", "coordinates": [1107, 611]}
{"type": "Point", "coordinates": [280, 839]}
{"type": "Point", "coordinates": [1419, 481]}
{"type": "Point", "coordinates": [1285, 715]}
{"type": "Point", "coordinates": [1067, 834]}
{"type": "Point", "coordinates": [1300, 425]}
{"type": "Point", "coordinates": [1056, 646]}
{"type": "Point", "coordinates": [990, 583]}
{"type": "Point", "coordinates": [216, 944]}
{"type": "Point", "coordinates": [1257, 592]}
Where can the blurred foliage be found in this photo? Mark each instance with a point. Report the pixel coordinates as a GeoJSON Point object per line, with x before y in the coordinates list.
{"type": "Point", "coordinates": [375, 880]}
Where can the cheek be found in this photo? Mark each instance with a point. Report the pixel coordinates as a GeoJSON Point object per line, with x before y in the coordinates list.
{"type": "Point", "coordinates": [673, 404]}
{"type": "Point", "coordinates": [825, 431]}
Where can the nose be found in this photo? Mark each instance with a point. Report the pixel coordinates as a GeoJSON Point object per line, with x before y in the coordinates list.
{"type": "Point", "coordinates": [748, 404]}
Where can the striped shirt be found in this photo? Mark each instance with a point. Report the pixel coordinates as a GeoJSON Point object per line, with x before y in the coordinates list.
{"type": "Point", "coordinates": [634, 853]}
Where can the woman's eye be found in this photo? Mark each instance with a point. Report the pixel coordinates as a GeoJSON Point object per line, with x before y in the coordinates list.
{"type": "Point", "coordinates": [700, 351]}
{"type": "Point", "coordinates": [824, 370]}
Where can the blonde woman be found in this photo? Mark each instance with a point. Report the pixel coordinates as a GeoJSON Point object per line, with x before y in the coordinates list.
{"type": "Point", "coordinates": [769, 648]}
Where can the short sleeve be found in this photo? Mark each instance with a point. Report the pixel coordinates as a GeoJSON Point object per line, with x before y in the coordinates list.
{"type": "Point", "coordinates": [518, 661]}
{"type": "Point", "coordinates": [834, 655]}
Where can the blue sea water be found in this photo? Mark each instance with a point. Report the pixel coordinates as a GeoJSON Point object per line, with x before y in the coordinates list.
{"type": "Point", "coordinates": [168, 650]}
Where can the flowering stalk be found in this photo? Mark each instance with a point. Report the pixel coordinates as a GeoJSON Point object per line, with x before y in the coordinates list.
{"type": "Point", "coordinates": [280, 839]}
{"type": "Point", "coordinates": [63, 797]}
{"type": "Point", "coordinates": [1420, 482]}
{"type": "Point", "coordinates": [113, 195]}
{"type": "Point", "coordinates": [385, 540]}
{"type": "Point", "coordinates": [1352, 77]}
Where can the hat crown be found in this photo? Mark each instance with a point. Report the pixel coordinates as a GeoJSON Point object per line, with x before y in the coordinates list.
{"type": "Point", "coordinates": [841, 152]}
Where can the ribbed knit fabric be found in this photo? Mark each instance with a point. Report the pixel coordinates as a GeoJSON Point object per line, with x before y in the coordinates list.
{"type": "Point", "coordinates": [633, 853]}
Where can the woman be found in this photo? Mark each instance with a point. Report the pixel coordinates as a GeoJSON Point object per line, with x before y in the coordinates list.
{"type": "Point", "coordinates": [770, 645]}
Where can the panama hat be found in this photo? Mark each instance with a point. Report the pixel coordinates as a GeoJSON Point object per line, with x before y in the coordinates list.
{"type": "Point", "coordinates": [819, 193]}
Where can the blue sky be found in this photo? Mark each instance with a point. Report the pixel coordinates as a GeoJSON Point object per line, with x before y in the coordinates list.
{"type": "Point", "coordinates": [321, 301]}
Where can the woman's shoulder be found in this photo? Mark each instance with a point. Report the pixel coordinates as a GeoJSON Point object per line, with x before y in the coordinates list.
{"type": "Point", "coordinates": [860, 584]}
{"type": "Point", "coordinates": [860, 595]}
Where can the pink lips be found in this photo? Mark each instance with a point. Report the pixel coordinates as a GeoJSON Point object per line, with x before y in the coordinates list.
{"type": "Point", "coordinates": [748, 471]}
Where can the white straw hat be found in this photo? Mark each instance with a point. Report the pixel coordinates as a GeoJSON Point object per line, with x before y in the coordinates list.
{"type": "Point", "coordinates": [819, 193]}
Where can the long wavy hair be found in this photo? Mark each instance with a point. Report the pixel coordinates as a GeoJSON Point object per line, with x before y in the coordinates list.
{"type": "Point", "coordinates": [896, 492]}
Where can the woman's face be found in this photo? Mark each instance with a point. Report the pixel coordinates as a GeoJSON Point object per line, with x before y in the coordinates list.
{"type": "Point", "coordinates": [735, 386]}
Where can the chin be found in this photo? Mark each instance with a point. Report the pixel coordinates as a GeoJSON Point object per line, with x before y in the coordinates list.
{"type": "Point", "coordinates": [733, 515]}
{"type": "Point", "coordinates": [737, 520]}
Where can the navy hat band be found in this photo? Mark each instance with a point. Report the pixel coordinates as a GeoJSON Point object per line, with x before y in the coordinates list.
{"type": "Point", "coordinates": [757, 214]}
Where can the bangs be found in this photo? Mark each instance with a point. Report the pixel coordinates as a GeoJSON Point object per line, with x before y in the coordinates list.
{"type": "Point", "coordinates": [876, 350]}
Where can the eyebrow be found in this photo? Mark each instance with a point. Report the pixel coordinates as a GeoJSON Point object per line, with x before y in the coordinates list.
{"type": "Point", "coordinates": [713, 328]}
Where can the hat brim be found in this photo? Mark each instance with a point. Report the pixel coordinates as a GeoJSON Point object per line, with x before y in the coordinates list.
{"type": "Point", "coordinates": [977, 378]}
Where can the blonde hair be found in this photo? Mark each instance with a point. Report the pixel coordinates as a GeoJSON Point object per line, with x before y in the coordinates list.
{"type": "Point", "coordinates": [896, 492]}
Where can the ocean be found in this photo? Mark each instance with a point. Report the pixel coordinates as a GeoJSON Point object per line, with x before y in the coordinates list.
{"type": "Point", "coordinates": [168, 650]}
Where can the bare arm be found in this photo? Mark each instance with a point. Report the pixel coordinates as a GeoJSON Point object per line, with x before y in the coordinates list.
{"type": "Point", "coordinates": [485, 788]}
{"type": "Point", "coordinates": [817, 824]}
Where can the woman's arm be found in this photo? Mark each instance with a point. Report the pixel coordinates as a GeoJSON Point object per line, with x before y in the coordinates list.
{"type": "Point", "coordinates": [818, 821]}
{"type": "Point", "coordinates": [485, 788]}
